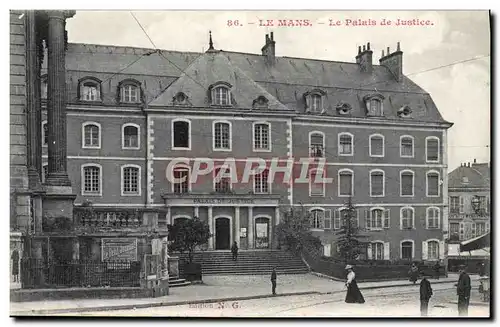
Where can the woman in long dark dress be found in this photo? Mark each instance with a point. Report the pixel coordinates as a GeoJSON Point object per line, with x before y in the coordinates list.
{"type": "Point", "coordinates": [353, 293]}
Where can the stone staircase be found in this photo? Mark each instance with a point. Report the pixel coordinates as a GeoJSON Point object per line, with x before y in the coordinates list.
{"type": "Point", "coordinates": [177, 282]}
{"type": "Point", "coordinates": [256, 262]}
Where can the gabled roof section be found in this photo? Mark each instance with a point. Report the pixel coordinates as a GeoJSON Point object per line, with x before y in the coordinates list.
{"type": "Point", "coordinates": [476, 177]}
{"type": "Point", "coordinates": [209, 69]}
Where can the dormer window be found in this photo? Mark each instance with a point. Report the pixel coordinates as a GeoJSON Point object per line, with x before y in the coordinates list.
{"type": "Point", "coordinates": [221, 94]}
{"type": "Point", "coordinates": [343, 108]}
{"type": "Point", "coordinates": [374, 105]}
{"type": "Point", "coordinates": [404, 112]}
{"type": "Point", "coordinates": [260, 103]}
{"type": "Point", "coordinates": [130, 92]}
{"type": "Point", "coordinates": [90, 89]}
{"type": "Point", "coordinates": [180, 99]}
{"type": "Point", "coordinates": [314, 101]}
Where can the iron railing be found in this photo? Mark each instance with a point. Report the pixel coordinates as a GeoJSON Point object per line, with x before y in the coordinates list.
{"type": "Point", "coordinates": [36, 273]}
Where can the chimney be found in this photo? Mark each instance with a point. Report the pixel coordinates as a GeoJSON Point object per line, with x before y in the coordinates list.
{"type": "Point", "coordinates": [268, 50]}
{"type": "Point", "coordinates": [393, 62]}
{"type": "Point", "coordinates": [364, 58]}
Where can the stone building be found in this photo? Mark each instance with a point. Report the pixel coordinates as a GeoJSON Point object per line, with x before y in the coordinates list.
{"type": "Point", "coordinates": [469, 192]}
{"type": "Point", "coordinates": [134, 114]}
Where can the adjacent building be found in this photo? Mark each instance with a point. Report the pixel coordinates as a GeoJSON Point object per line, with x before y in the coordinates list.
{"type": "Point", "coordinates": [469, 192]}
{"type": "Point", "coordinates": [141, 123]}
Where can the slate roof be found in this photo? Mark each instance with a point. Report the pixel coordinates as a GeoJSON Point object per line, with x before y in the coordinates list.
{"type": "Point", "coordinates": [478, 176]}
{"type": "Point", "coordinates": [284, 84]}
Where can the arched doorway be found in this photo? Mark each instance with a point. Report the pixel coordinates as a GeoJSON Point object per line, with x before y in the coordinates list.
{"type": "Point", "coordinates": [262, 233]}
{"type": "Point", "coordinates": [222, 233]}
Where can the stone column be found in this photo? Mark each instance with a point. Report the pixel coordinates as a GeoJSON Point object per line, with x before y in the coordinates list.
{"type": "Point", "coordinates": [164, 258]}
{"type": "Point", "coordinates": [33, 107]}
{"type": "Point", "coordinates": [168, 217]}
{"type": "Point", "coordinates": [56, 99]}
{"type": "Point", "coordinates": [250, 228]}
{"type": "Point", "coordinates": [76, 249]}
{"type": "Point", "coordinates": [211, 226]}
{"type": "Point", "coordinates": [277, 215]}
{"type": "Point", "coordinates": [237, 225]}
{"type": "Point", "coordinates": [196, 212]}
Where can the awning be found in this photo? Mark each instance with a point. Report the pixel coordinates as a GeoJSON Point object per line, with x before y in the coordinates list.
{"type": "Point", "coordinates": [476, 243]}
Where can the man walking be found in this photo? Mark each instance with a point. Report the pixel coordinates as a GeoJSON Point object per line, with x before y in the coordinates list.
{"type": "Point", "coordinates": [425, 296]}
{"type": "Point", "coordinates": [273, 280]}
{"type": "Point", "coordinates": [463, 292]}
{"type": "Point", "coordinates": [437, 268]}
{"type": "Point", "coordinates": [234, 251]}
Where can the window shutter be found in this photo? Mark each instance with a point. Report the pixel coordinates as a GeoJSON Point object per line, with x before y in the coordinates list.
{"type": "Point", "coordinates": [328, 219]}
{"type": "Point", "coordinates": [387, 249]}
{"type": "Point", "coordinates": [369, 251]}
{"type": "Point", "coordinates": [461, 204]}
{"type": "Point", "coordinates": [424, 250]}
{"type": "Point", "coordinates": [327, 250]}
{"type": "Point", "coordinates": [473, 229]}
{"type": "Point", "coordinates": [441, 250]}
{"type": "Point", "coordinates": [336, 219]}
{"type": "Point", "coordinates": [357, 218]}
{"type": "Point", "coordinates": [387, 218]}
{"type": "Point", "coordinates": [368, 222]}
{"type": "Point", "coordinates": [462, 231]}
{"type": "Point", "coordinates": [487, 227]}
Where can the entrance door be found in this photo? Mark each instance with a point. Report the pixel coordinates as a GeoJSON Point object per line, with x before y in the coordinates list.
{"type": "Point", "coordinates": [222, 234]}
{"type": "Point", "coordinates": [262, 233]}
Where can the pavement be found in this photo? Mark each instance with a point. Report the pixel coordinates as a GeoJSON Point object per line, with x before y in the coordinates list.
{"type": "Point", "coordinates": [215, 289]}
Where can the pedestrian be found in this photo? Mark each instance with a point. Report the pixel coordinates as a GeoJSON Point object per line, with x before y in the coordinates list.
{"type": "Point", "coordinates": [15, 265]}
{"type": "Point", "coordinates": [273, 280]}
{"type": "Point", "coordinates": [463, 292]}
{"type": "Point", "coordinates": [413, 273]}
{"type": "Point", "coordinates": [234, 251]}
{"type": "Point", "coordinates": [353, 293]}
{"type": "Point", "coordinates": [437, 268]}
{"type": "Point", "coordinates": [482, 269]}
{"type": "Point", "coordinates": [425, 296]}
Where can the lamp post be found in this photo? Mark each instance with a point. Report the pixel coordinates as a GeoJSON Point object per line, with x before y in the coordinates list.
{"type": "Point", "coordinates": [475, 204]}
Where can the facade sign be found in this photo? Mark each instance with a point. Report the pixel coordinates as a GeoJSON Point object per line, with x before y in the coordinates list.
{"type": "Point", "coordinates": [223, 201]}
{"type": "Point", "coordinates": [119, 249]}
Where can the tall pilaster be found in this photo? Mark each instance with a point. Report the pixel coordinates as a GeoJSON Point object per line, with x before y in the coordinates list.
{"type": "Point", "coordinates": [56, 99]}
{"type": "Point", "coordinates": [33, 110]}
{"type": "Point", "coordinates": [237, 225]}
{"type": "Point", "coordinates": [251, 227]}
{"type": "Point", "coordinates": [211, 226]}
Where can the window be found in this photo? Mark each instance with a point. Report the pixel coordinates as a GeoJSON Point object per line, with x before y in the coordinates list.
{"type": "Point", "coordinates": [483, 204]}
{"type": "Point", "coordinates": [261, 182]}
{"type": "Point", "coordinates": [222, 180]}
{"type": "Point", "coordinates": [44, 87]}
{"type": "Point", "coordinates": [375, 108]}
{"type": "Point", "coordinates": [432, 218]}
{"type": "Point", "coordinates": [221, 96]}
{"type": "Point", "coordinates": [407, 218]}
{"type": "Point", "coordinates": [377, 251]}
{"type": "Point", "coordinates": [406, 147]}
{"type": "Point", "coordinates": [316, 145]}
{"type": "Point", "coordinates": [454, 204]}
{"type": "Point", "coordinates": [90, 89]}
{"type": "Point", "coordinates": [261, 137]}
{"type": "Point", "coordinates": [340, 217]}
{"type": "Point", "coordinates": [131, 177]}
{"type": "Point", "coordinates": [433, 183]}
{"type": "Point", "coordinates": [317, 218]}
{"type": "Point", "coordinates": [377, 145]}
{"type": "Point", "coordinates": [433, 250]}
{"type": "Point", "coordinates": [377, 183]}
{"type": "Point", "coordinates": [91, 176]}
{"type": "Point", "coordinates": [454, 231]}
{"type": "Point", "coordinates": [407, 250]}
{"type": "Point", "coordinates": [45, 172]}
{"type": "Point", "coordinates": [407, 178]}
{"type": "Point", "coordinates": [222, 136]}
{"type": "Point", "coordinates": [91, 135]}
{"type": "Point", "coordinates": [345, 144]}
{"type": "Point", "coordinates": [480, 229]}
{"type": "Point", "coordinates": [377, 218]}
{"type": "Point", "coordinates": [130, 136]}
{"type": "Point", "coordinates": [316, 103]}
{"type": "Point", "coordinates": [181, 135]}
{"type": "Point", "coordinates": [432, 149]}
{"type": "Point", "coordinates": [181, 179]}
{"type": "Point", "coordinates": [130, 93]}
{"type": "Point", "coordinates": [45, 133]}
{"type": "Point", "coordinates": [346, 177]}
{"type": "Point", "coordinates": [316, 184]}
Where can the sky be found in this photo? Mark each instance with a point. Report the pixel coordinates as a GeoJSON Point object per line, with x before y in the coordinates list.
{"type": "Point", "coordinates": [449, 58]}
